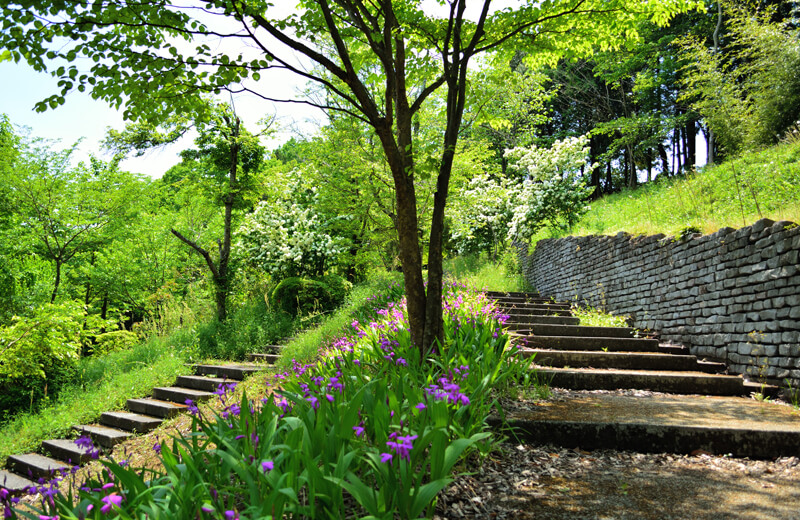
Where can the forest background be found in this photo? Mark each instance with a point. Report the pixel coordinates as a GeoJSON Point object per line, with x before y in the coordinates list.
{"type": "Point", "coordinates": [241, 245]}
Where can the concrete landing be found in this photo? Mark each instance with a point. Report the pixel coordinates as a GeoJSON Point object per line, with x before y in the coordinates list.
{"type": "Point", "coordinates": [662, 423]}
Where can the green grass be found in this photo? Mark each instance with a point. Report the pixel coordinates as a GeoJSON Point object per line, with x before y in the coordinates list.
{"type": "Point", "coordinates": [305, 346]}
{"type": "Point", "coordinates": [106, 383]}
{"type": "Point", "coordinates": [735, 194]}
{"type": "Point", "coordinates": [594, 317]}
{"type": "Point", "coordinates": [478, 271]}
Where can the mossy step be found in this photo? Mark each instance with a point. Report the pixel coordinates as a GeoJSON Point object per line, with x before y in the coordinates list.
{"type": "Point", "coordinates": [520, 322]}
{"type": "Point", "coordinates": [155, 407]}
{"type": "Point", "coordinates": [618, 360]}
{"type": "Point", "coordinates": [13, 483]}
{"type": "Point", "coordinates": [493, 294]}
{"type": "Point", "coordinates": [237, 372]}
{"type": "Point", "coordinates": [35, 466]}
{"type": "Point", "coordinates": [653, 380]}
{"type": "Point", "coordinates": [660, 423]}
{"type": "Point", "coordinates": [103, 435]}
{"type": "Point", "coordinates": [584, 343]}
{"type": "Point", "coordinates": [535, 312]}
{"type": "Point", "coordinates": [178, 394]}
{"type": "Point", "coordinates": [269, 359]}
{"type": "Point", "coordinates": [130, 421]}
{"type": "Point", "coordinates": [205, 383]}
{"type": "Point", "coordinates": [67, 451]}
{"type": "Point", "coordinates": [541, 329]}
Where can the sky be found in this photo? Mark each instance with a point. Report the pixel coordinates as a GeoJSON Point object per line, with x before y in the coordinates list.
{"type": "Point", "coordinates": [82, 117]}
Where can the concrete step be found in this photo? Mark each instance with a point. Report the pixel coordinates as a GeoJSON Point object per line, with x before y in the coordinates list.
{"type": "Point", "coordinates": [237, 372]}
{"type": "Point", "coordinates": [103, 435]}
{"type": "Point", "coordinates": [517, 294]}
{"type": "Point", "coordinates": [521, 304]}
{"type": "Point", "coordinates": [618, 360]}
{"type": "Point", "coordinates": [513, 311]}
{"type": "Point", "coordinates": [534, 307]}
{"type": "Point", "coordinates": [269, 359]}
{"type": "Point", "coordinates": [178, 394]}
{"type": "Point", "coordinates": [204, 383]}
{"type": "Point", "coordinates": [656, 381]}
{"type": "Point", "coordinates": [678, 350]}
{"type": "Point", "coordinates": [67, 451]}
{"type": "Point", "coordinates": [272, 349]}
{"type": "Point", "coordinates": [155, 407]}
{"type": "Point", "coordinates": [130, 421]}
{"type": "Point", "coordinates": [583, 343]}
{"type": "Point", "coordinates": [524, 321]}
{"type": "Point", "coordinates": [13, 483]}
{"type": "Point", "coordinates": [35, 466]}
{"type": "Point", "coordinates": [711, 367]}
{"type": "Point", "coordinates": [541, 329]}
{"type": "Point", "coordinates": [661, 423]}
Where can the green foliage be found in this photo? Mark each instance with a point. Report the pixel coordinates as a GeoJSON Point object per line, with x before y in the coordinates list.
{"type": "Point", "coordinates": [296, 296]}
{"type": "Point", "coordinates": [113, 341]}
{"type": "Point", "coordinates": [749, 90]}
{"type": "Point", "coordinates": [287, 237]}
{"type": "Point", "coordinates": [733, 194]}
{"type": "Point", "coordinates": [594, 317]}
{"type": "Point", "coordinates": [375, 292]}
{"type": "Point", "coordinates": [368, 426]}
{"type": "Point", "coordinates": [99, 384]}
{"type": "Point", "coordinates": [338, 288]}
{"type": "Point", "coordinates": [479, 271]}
{"type": "Point", "coordinates": [30, 345]}
{"type": "Point", "coordinates": [247, 329]}
{"type": "Point", "coordinates": [553, 193]}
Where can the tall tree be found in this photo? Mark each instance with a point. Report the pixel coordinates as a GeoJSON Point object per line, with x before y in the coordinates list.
{"type": "Point", "coordinates": [413, 53]}
{"type": "Point", "coordinates": [227, 155]}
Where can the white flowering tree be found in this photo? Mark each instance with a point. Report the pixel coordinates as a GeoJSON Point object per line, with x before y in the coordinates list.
{"type": "Point", "coordinates": [288, 237]}
{"type": "Point", "coordinates": [480, 216]}
{"type": "Point", "coordinates": [554, 192]}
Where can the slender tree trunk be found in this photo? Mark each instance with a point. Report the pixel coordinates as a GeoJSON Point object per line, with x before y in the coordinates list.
{"type": "Point", "coordinates": [57, 281]}
{"type": "Point", "coordinates": [691, 143]}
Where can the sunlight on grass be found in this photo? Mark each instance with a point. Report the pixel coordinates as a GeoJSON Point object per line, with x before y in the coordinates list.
{"type": "Point", "coordinates": [480, 272]}
{"type": "Point", "coordinates": [734, 194]}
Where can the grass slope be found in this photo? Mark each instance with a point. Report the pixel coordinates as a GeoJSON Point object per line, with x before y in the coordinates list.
{"type": "Point", "coordinates": [735, 194]}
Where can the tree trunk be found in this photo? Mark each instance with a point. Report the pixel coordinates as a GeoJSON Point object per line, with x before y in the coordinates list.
{"type": "Point", "coordinates": [691, 143]}
{"type": "Point", "coordinates": [57, 281]}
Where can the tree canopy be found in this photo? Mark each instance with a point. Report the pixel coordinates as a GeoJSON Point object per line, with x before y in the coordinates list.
{"type": "Point", "coordinates": [376, 61]}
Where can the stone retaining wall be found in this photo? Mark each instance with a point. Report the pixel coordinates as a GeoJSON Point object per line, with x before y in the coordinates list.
{"type": "Point", "coordinates": [732, 296]}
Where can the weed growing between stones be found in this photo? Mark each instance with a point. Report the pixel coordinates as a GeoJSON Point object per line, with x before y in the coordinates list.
{"type": "Point", "coordinates": [374, 429]}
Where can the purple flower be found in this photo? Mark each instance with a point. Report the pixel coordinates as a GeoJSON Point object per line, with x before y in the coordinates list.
{"type": "Point", "coordinates": [111, 501]}
{"type": "Point", "coordinates": [192, 407]}
{"type": "Point", "coordinates": [329, 397]}
{"type": "Point", "coordinates": [420, 406]}
{"type": "Point", "coordinates": [107, 486]}
{"type": "Point", "coordinates": [85, 442]}
{"type": "Point", "coordinates": [386, 457]}
{"type": "Point", "coordinates": [231, 515]}
{"type": "Point", "coordinates": [157, 448]}
{"type": "Point", "coordinates": [206, 508]}
{"type": "Point", "coordinates": [359, 430]}
{"type": "Point", "coordinates": [401, 362]}
{"type": "Point", "coordinates": [314, 402]}
{"type": "Point", "coordinates": [267, 466]}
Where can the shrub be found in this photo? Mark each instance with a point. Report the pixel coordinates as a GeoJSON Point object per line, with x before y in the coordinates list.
{"type": "Point", "coordinates": [114, 341]}
{"type": "Point", "coordinates": [296, 295]}
{"type": "Point", "coordinates": [375, 430]}
{"type": "Point", "coordinates": [338, 288]}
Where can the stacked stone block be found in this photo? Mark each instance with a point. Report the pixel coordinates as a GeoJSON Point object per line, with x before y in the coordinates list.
{"type": "Point", "coordinates": [732, 296]}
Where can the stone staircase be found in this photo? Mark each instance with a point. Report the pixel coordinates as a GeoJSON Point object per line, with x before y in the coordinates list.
{"type": "Point", "coordinates": [579, 357]}
{"type": "Point", "coordinates": [141, 416]}
{"type": "Point", "coordinates": [706, 411]}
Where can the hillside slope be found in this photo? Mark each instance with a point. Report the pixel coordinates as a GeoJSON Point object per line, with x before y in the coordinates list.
{"type": "Point", "coordinates": [736, 194]}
